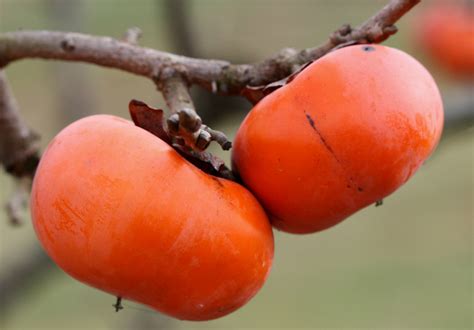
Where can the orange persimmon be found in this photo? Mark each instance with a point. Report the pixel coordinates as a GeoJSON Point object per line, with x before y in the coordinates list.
{"type": "Point", "coordinates": [349, 130]}
{"type": "Point", "coordinates": [446, 31]}
{"type": "Point", "coordinates": [119, 209]}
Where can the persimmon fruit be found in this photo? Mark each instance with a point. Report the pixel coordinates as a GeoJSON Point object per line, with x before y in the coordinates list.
{"type": "Point", "coordinates": [347, 131]}
{"type": "Point", "coordinates": [446, 31]}
{"type": "Point", "coordinates": [119, 209]}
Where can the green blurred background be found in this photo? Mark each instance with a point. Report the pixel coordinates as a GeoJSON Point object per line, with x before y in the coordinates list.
{"type": "Point", "coordinates": [407, 264]}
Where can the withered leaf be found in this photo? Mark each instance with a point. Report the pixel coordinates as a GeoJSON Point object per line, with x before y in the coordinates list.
{"type": "Point", "coordinates": [148, 118]}
{"type": "Point", "coordinates": [253, 93]}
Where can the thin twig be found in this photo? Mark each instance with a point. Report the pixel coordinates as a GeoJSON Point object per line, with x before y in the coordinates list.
{"type": "Point", "coordinates": [219, 137]}
{"type": "Point", "coordinates": [19, 153]}
{"type": "Point", "coordinates": [18, 202]}
{"type": "Point", "coordinates": [118, 304]}
{"type": "Point", "coordinates": [374, 30]}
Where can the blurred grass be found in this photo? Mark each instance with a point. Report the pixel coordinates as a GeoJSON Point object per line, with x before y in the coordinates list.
{"type": "Point", "coordinates": [407, 264]}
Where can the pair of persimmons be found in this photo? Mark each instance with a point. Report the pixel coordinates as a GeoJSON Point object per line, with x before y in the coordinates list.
{"type": "Point", "coordinates": [121, 210]}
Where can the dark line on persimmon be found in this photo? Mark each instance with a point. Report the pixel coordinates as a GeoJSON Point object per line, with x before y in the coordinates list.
{"type": "Point", "coordinates": [331, 151]}
{"type": "Point", "coordinates": [321, 137]}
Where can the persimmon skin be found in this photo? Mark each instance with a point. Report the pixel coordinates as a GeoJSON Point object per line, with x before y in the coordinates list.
{"type": "Point", "coordinates": [349, 130]}
{"type": "Point", "coordinates": [119, 209]}
{"type": "Point", "coordinates": [446, 31]}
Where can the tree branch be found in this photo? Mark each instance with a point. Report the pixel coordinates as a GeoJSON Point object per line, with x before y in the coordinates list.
{"type": "Point", "coordinates": [214, 75]}
{"type": "Point", "coordinates": [104, 51]}
{"type": "Point", "coordinates": [375, 30]}
{"type": "Point", "coordinates": [19, 153]}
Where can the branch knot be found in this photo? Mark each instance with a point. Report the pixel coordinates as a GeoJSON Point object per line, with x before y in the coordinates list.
{"type": "Point", "coordinates": [67, 45]}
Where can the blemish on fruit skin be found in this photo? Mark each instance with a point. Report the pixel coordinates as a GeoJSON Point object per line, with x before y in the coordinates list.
{"type": "Point", "coordinates": [310, 120]}
{"type": "Point", "coordinates": [351, 181]}
{"type": "Point", "coordinates": [323, 140]}
{"type": "Point", "coordinates": [67, 218]}
{"type": "Point", "coordinates": [368, 49]}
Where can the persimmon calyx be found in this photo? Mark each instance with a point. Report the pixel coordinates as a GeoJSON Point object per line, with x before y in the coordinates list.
{"type": "Point", "coordinates": [151, 120]}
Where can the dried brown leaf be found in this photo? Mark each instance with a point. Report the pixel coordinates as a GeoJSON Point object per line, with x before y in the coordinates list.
{"type": "Point", "coordinates": [148, 118]}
